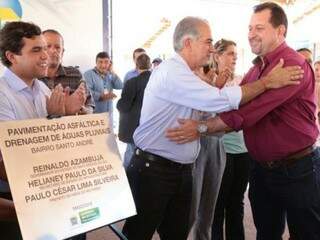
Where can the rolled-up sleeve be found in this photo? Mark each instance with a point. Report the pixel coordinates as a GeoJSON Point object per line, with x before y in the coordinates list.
{"type": "Point", "coordinates": [234, 94]}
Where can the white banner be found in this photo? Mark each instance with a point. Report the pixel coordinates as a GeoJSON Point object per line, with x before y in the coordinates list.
{"type": "Point", "coordinates": [65, 175]}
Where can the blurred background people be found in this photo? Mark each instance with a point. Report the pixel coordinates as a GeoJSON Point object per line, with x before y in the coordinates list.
{"type": "Point", "coordinates": [156, 62]}
{"type": "Point", "coordinates": [101, 81]}
{"type": "Point", "coordinates": [134, 72]}
{"type": "Point", "coordinates": [306, 53]}
{"type": "Point", "coordinates": [130, 103]}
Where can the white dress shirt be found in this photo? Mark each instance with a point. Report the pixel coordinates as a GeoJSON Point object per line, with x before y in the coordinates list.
{"type": "Point", "coordinates": [174, 92]}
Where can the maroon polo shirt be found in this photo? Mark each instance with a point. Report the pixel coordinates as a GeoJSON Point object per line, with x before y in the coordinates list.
{"type": "Point", "coordinates": [281, 121]}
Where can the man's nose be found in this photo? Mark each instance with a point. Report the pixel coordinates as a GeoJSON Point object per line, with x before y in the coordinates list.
{"type": "Point", "coordinates": [44, 54]}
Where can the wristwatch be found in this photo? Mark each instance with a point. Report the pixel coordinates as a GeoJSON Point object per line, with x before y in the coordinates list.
{"type": "Point", "coordinates": [202, 128]}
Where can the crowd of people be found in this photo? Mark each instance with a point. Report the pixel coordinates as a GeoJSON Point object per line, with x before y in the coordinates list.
{"type": "Point", "coordinates": [197, 134]}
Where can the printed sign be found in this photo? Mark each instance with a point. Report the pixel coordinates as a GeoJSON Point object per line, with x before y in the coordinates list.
{"type": "Point", "coordinates": [65, 175]}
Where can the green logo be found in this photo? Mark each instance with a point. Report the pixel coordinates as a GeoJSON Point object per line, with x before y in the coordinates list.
{"type": "Point", "coordinates": [89, 215]}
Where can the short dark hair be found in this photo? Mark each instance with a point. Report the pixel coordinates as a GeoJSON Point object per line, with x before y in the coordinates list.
{"type": "Point", "coordinates": [138, 50]}
{"type": "Point", "coordinates": [278, 16]}
{"type": "Point", "coordinates": [304, 50]}
{"type": "Point", "coordinates": [53, 31]}
{"type": "Point", "coordinates": [143, 62]}
{"type": "Point", "coordinates": [11, 38]}
{"type": "Point", "coordinates": [102, 55]}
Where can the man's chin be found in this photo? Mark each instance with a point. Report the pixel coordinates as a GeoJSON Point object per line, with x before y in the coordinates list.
{"type": "Point", "coordinates": [42, 74]}
{"type": "Point", "coordinates": [53, 65]}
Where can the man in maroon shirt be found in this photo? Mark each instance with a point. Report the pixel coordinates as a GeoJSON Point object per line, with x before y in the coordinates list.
{"type": "Point", "coordinates": [280, 131]}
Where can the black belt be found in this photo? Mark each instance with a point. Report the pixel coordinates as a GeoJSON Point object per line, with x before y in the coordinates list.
{"type": "Point", "coordinates": [289, 160]}
{"type": "Point", "coordinates": [161, 160]}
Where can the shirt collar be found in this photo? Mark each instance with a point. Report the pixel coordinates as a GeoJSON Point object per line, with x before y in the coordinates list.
{"type": "Point", "coordinates": [272, 55]}
{"type": "Point", "coordinates": [269, 57]}
{"type": "Point", "coordinates": [61, 72]}
{"type": "Point", "coordinates": [179, 58]}
{"type": "Point", "coordinates": [99, 73]}
{"type": "Point", "coordinates": [17, 83]}
{"type": "Point", "coordinates": [14, 81]}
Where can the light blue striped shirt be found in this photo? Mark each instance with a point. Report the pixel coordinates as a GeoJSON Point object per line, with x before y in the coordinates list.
{"type": "Point", "coordinates": [18, 101]}
{"type": "Point", "coordinates": [97, 84]}
{"type": "Point", "coordinates": [131, 74]}
{"type": "Point", "coordinates": [173, 92]}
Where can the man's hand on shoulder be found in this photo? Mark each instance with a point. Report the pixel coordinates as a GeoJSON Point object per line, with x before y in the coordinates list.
{"type": "Point", "coordinates": [281, 76]}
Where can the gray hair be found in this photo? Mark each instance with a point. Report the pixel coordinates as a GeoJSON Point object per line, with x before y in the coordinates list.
{"type": "Point", "coordinates": [186, 28]}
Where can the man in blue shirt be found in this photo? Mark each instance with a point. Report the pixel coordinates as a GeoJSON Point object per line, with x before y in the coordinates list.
{"type": "Point", "coordinates": [134, 72]}
{"type": "Point", "coordinates": [101, 81]}
{"type": "Point", "coordinates": [160, 171]}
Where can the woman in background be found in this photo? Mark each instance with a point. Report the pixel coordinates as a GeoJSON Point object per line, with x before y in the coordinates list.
{"type": "Point", "coordinates": [230, 206]}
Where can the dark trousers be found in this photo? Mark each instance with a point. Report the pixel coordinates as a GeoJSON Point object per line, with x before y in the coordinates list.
{"type": "Point", "coordinates": [162, 196]}
{"type": "Point", "coordinates": [9, 230]}
{"type": "Point", "coordinates": [287, 191]}
{"type": "Point", "coordinates": [230, 199]}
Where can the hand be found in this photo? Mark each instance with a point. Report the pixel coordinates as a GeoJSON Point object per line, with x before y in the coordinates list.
{"type": "Point", "coordinates": [281, 76]}
{"type": "Point", "coordinates": [186, 132]}
{"type": "Point", "coordinates": [222, 77]}
{"type": "Point", "coordinates": [207, 77]}
{"type": "Point", "coordinates": [107, 96]}
{"type": "Point", "coordinates": [56, 102]}
{"type": "Point", "coordinates": [76, 100]}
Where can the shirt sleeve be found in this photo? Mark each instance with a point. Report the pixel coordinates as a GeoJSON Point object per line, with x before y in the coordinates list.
{"type": "Point", "coordinates": [255, 110]}
{"type": "Point", "coordinates": [116, 82]}
{"type": "Point", "coordinates": [126, 77]}
{"type": "Point", "coordinates": [89, 101]}
{"type": "Point", "coordinates": [179, 85]}
{"type": "Point", "coordinates": [6, 110]}
{"type": "Point", "coordinates": [90, 83]}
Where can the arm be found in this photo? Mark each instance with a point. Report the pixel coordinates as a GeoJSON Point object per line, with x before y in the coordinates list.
{"type": "Point", "coordinates": [89, 103]}
{"type": "Point", "coordinates": [198, 95]}
{"type": "Point", "coordinates": [116, 82]}
{"type": "Point", "coordinates": [188, 129]}
{"type": "Point", "coordinates": [246, 116]}
{"type": "Point", "coordinates": [88, 76]}
{"type": "Point", "coordinates": [127, 97]}
{"type": "Point", "coordinates": [278, 77]}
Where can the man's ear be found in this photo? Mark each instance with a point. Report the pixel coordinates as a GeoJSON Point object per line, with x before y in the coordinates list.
{"type": "Point", "coordinates": [187, 43]}
{"type": "Point", "coordinates": [11, 56]}
{"type": "Point", "coordinates": [282, 30]}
